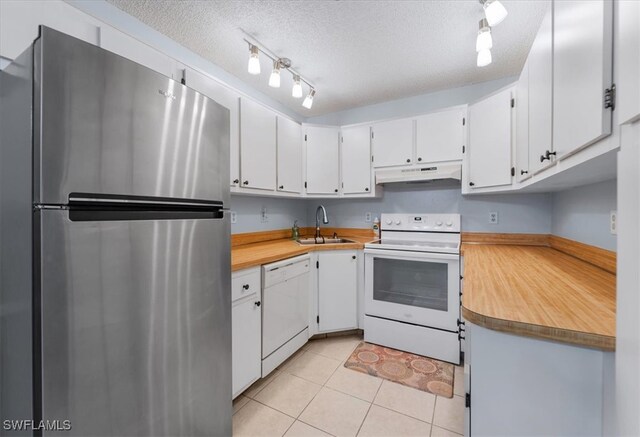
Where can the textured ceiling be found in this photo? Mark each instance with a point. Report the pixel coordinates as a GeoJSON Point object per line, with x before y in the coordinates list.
{"type": "Point", "coordinates": [355, 52]}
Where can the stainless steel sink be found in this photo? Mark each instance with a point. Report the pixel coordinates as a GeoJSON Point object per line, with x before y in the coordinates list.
{"type": "Point", "coordinates": [325, 240]}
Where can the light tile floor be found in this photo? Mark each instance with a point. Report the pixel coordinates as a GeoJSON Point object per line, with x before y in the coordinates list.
{"type": "Point", "coordinates": [313, 394]}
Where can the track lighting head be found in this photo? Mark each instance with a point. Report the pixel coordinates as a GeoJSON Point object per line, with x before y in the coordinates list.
{"type": "Point", "coordinates": [274, 79]}
{"type": "Point", "coordinates": [484, 40]}
{"type": "Point", "coordinates": [484, 58]}
{"type": "Point", "coordinates": [494, 11]}
{"type": "Point", "coordinates": [308, 101]}
{"type": "Point", "coordinates": [254, 60]}
{"type": "Point", "coordinates": [297, 87]}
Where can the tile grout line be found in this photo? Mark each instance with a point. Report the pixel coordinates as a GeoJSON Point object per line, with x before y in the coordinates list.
{"type": "Point", "coordinates": [368, 410]}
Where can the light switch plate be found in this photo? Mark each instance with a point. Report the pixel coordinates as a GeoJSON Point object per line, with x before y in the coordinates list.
{"type": "Point", "coordinates": [367, 217]}
{"type": "Point", "coordinates": [613, 222]}
{"type": "Point", "coordinates": [234, 216]}
{"type": "Point", "coordinates": [493, 218]}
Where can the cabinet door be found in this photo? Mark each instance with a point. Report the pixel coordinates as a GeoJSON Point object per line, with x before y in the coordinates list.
{"type": "Point", "coordinates": [322, 160]}
{"type": "Point", "coordinates": [522, 124]}
{"type": "Point", "coordinates": [122, 44]}
{"type": "Point", "coordinates": [392, 143]}
{"type": "Point", "coordinates": [490, 141]}
{"type": "Point", "coordinates": [246, 343]}
{"type": "Point", "coordinates": [257, 146]}
{"type": "Point", "coordinates": [337, 290]}
{"type": "Point", "coordinates": [582, 64]}
{"type": "Point", "coordinates": [356, 159]}
{"type": "Point", "coordinates": [230, 100]}
{"type": "Point", "coordinates": [440, 136]}
{"type": "Point", "coordinates": [540, 95]}
{"type": "Point", "coordinates": [289, 156]}
{"type": "Point", "coordinates": [627, 61]}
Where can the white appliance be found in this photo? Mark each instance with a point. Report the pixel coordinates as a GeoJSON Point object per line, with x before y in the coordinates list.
{"type": "Point", "coordinates": [419, 174]}
{"type": "Point", "coordinates": [412, 285]}
{"type": "Point", "coordinates": [285, 310]}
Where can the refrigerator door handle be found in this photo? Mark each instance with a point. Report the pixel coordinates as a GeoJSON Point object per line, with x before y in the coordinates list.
{"type": "Point", "coordinates": [106, 200]}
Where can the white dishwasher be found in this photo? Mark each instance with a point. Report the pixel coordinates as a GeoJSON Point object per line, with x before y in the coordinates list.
{"type": "Point", "coordinates": [285, 310]}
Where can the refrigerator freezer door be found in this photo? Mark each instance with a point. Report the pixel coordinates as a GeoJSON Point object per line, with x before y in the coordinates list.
{"type": "Point", "coordinates": [111, 126]}
{"type": "Point", "coordinates": [136, 326]}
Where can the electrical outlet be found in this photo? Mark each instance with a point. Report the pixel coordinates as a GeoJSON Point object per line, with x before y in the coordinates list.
{"type": "Point", "coordinates": [613, 222]}
{"type": "Point", "coordinates": [234, 216]}
{"type": "Point", "coordinates": [493, 218]}
{"type": "Point", "coordinates": [264, 217]}
{"type": "Point", "coordinates": [367, 217]}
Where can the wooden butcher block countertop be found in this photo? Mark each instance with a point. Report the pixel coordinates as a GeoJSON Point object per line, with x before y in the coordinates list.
{"type": "Point", "coordinates": [539, 291]}
{"type": "Point", "coordinates": [245, 253]}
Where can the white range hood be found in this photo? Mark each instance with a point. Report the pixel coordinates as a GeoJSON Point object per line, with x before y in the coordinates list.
{"type": "Point", "coordinates": [419, 174]}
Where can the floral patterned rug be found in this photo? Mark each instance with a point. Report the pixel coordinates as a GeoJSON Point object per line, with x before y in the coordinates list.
{"type": "Point", "coordinates": [415, 371]}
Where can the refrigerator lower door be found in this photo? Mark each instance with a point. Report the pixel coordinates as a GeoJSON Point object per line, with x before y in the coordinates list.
{"type": "Point", "coordinates": [135, 326]}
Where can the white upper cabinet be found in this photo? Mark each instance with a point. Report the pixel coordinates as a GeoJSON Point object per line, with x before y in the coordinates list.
{"type": "Point", "coordinates": [130, 48]}
{"type": "Point", "coordinates": [356, 159]}
{"type": "Point", "coordinates": [522, 124]}
{"type": "Point", "coordinates": [440, 136]}
{"type": "Point", "coordinates": [257, 146]}
{"type": "Point", "coordinates": [323, 160]}
{"type": "Point", "coordinates": [540, 62]}
{"type": "Point", "coordinates": [627, 61]}
{"type": "Point", "coordinates": [230, 100]}
{"type": "Point", "coordinates": [289, 156]}
{"type": "Point", "coordinates": [392, 143]}
{"type": "Point", "coordinates": [582, 71]}
{"type": "Point", "coordinates": [490, 140]}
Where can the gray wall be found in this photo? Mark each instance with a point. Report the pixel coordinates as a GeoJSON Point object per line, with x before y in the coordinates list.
{"type": "Point", "coordinates": [518, 213]}
{"type": "Point", "coordinates": [414, 105]}
{"type": "Point", "coordinates": [582, 214]}
{"type": "Point", "coordinates": [281, 213]}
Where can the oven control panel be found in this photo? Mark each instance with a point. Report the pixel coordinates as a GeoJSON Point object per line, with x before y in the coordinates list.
{"type": "Point", "coordinates": [421, 222]}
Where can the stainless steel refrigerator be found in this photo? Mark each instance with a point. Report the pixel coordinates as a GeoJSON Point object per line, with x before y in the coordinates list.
{"type": "Point", "coordinates": [115, 248]}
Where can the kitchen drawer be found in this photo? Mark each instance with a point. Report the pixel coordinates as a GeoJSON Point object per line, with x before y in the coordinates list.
{"type": "Point", "coordinates": [245, 283]}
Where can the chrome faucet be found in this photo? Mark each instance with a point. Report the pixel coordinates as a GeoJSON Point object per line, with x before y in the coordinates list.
{"type": "Point", "coordinates": [325, 220]}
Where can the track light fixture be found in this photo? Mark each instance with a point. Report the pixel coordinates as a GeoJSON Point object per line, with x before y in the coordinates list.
{"type": "Point", "coordinates": [494, 11]}
{"type": "Point", "coordinates": [279, 64]}
{"type": "Point", "coordinates": [484, 41]}
{"type": "Point", "coordinates": [308, 101]}
{"type": "Point", "coordinates": [254, 60]}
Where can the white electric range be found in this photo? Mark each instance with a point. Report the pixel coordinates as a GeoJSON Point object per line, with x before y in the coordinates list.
{"type": "Point", "coordinates": [412, 285]}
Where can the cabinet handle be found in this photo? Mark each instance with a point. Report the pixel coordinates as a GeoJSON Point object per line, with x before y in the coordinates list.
{"type": "Point", "coordinates": [523, 172]}
{"type": "Point", "coordinates": [353, 257]}
{"type": "Point", "coordinates": [245, 287]}
{"type": "Point", "coordinates": [236, 181]}
{"type": "Point", "coordinates": [408, 160]}
{"type": "Point", "coordinates": [257, 303]}
{"type": "Point", "coordinates": [245, 183]}
{"type": "Point", "coordinates": [336, 190]}
{"type": "Point", "coordinates": [281, 187]}
{"type": "Point", "coordinates": [547, 155]}
{"type": "Point", "coordinates": [471, 184]}
{"type": "Point", "coordinates": [419, 159]}
{"type": "Point", "coordinates": [366, 189]}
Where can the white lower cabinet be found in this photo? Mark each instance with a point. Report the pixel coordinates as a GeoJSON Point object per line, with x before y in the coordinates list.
{"type": "Point", "coordinates": [246, 330]}
{"type": "Point", "coordinates": [337, 290]}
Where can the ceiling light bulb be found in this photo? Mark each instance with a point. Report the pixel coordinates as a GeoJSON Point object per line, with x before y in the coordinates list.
{"type": "Point", "coordinates": [484, 58]}
{"type": "Point", "coordinates": [274, 79]}
{"type": "Point", "coordinates": [254, 60]}
{"type": "Point", "coordinates": [297, 87]}
{"type": "Point", "coordinates": [494, 11]}
{"type": "Point", "coordinates": [484, 40]}
{"type": "Point", "coordinates": [308, 101]}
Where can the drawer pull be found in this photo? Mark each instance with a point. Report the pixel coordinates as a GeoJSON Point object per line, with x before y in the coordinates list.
{"type": "Point", "coordinates": [245, 286]}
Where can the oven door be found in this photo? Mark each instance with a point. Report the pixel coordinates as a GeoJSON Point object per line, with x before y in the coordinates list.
{"type": "Point", "coordinates": [413, 287]}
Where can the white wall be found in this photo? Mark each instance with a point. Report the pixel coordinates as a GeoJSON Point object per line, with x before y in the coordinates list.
{"type": "Point", "coordinates": [518, 213]}
{"type": "Point", "coordinates": [582, 214]}
{"type": "Point", "coordinates": [281, 213]}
